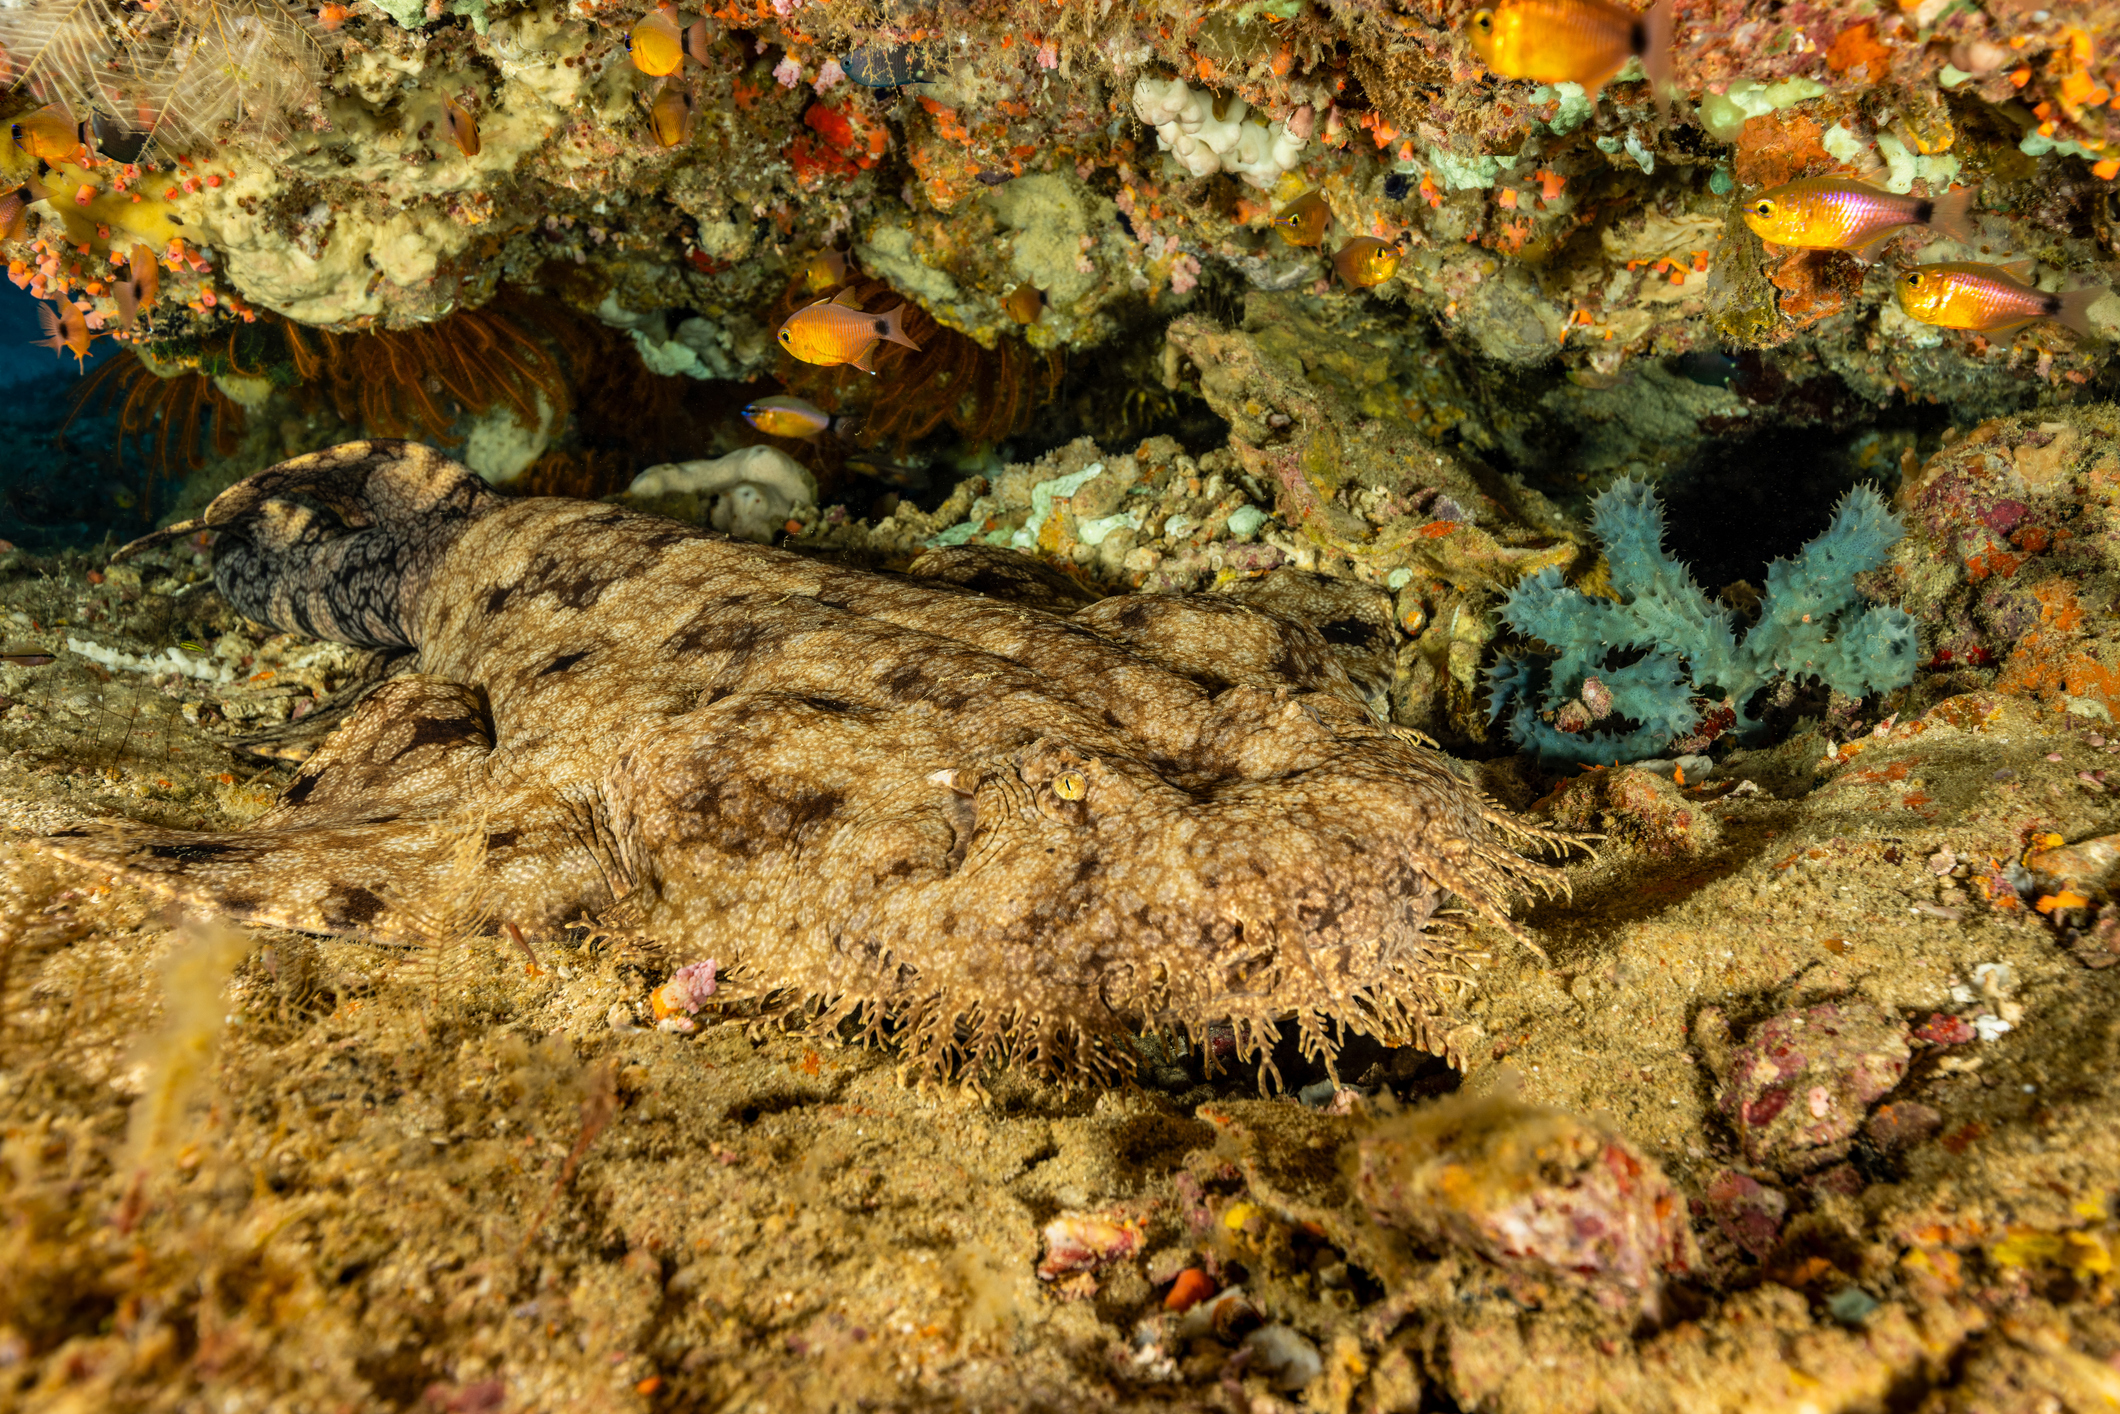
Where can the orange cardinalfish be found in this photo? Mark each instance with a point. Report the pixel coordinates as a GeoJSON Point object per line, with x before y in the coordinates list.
{"type": "Point", "coordinates": [52, 134]}
{"type": "Point", "coordinates": [146, 273]}
{"type": "Point", "coordinates": [1839, 213]}
{"type": "Point", "coordinates": [826, 270]}
{"type": "Point", "coordinates": [836, 330]}
{"type": "Point", "coordinates": [14, 214]}
{"type": "Point", "coordinates": [137, 293]}
{"type": "Point", "coordinates": [1303, 221]}
{"type": "Point", "coordinates": [1990, 299]}
{"type": "Point", "coordinates": [785, 416]}
{"type": "Point", "coordinates": [670, 118]}
{"type": "Point", "coordinates": [658, 45]}
{"type": "Point", "coordinates": [1574, 41]}
{"type": "Point", "coordinates": [65, 330]}
{"type": "Point", "coordinates": [1025, 304]}
{"type": "Point", "coordinates": [1366, 261]}
{"type": "Point", "coordinates": [463, 128]}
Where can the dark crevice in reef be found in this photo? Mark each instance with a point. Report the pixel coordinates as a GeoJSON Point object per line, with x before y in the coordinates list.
{"type": "Point", "coordinates": [1728, 521]}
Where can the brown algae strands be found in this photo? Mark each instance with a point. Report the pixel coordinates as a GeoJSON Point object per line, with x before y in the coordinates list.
{"type": "Point", "coordinates": [1366, 261]}
{"type": "Point", "coordinates": [1839, 213]}
{"type": "Point", "coordinates": [1989, 299]}
{"type": "Point", "coordinates": [1303, 221]}
{"type": "Point", "coordinates": [1585, 42]}
{"type": "Point", "coordinates": [836, 330]}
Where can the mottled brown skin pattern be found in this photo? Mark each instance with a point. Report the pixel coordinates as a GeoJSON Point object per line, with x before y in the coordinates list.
{"type": "Point", "coordinates": [993, 830]}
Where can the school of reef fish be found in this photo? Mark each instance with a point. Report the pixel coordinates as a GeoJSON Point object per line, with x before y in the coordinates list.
{"type": "Point", "coordinates": [1354, 581]}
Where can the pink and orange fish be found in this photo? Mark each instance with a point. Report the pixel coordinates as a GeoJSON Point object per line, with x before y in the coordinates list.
{"type": "Point", "coordinates": [1839, 213]}
{"type": "Point", "coordinates": [1989, 299]}
{"type": "Point", "coordinates": [65, 330]}
{"type": "Point", "coordinates": [837, 330]}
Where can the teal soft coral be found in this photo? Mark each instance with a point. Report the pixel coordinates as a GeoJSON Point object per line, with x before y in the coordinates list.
{"type": "Point", "coordinates": [1682, 646]}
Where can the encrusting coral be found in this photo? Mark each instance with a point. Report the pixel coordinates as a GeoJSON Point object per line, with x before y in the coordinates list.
{"type": "Point", "coordinates": [1681, 645]}
{"type": "Point", "coordinates": [985, 829]}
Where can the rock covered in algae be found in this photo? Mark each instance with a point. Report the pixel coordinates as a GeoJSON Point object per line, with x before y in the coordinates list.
{"type": "Point", "coordinates": [1800, 1085]}
{"type": "Point", "coordinates": [2013, 556]}
{"type": "Point", "coordinates": [1540, 1193]}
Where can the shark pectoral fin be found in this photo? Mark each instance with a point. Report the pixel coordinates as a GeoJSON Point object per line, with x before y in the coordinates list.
{"type": "Point", "coordinates": [416, 744]}
{"type": "Point", "coordinates": [400, 879]}
{"type": "Point", "coordinates": [380, 882]}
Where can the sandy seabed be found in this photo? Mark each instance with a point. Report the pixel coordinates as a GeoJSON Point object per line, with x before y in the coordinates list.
{"type": "Point", "coordinates": [272, 1171]}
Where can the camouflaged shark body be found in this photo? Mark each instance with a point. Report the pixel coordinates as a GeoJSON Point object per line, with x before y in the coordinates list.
{"type": "Point", "coordinates": [999, 829]}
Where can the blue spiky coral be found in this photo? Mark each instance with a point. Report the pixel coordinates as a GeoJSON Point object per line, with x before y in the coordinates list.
{"type": "Point", "coordinates": [1681, 645]}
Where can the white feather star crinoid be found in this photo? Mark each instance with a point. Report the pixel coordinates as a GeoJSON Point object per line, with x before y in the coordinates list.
{"type": "Point", "coordinates": [172, 76]}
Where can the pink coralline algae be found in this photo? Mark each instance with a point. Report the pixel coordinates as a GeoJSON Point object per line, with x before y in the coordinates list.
{"type": "Point", "coordinates": [1076, 1244]}
{"type": "Point", "coordinates": [678, 1000]}
{"type": "Point", "coordinates": [1800, 1086]}
{"type": "Point", "coordinates": [1747, 1211]}
{"type": "Point", "coordinates": [1541, 1194]}
{"type": "Point", "coordinates": [1942, 1030]}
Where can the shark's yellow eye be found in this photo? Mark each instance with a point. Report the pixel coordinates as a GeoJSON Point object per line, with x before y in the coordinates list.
{"type": "Point", "coordinates": [1913, 279]}
{"type": "Point", "coordinates": [1483, 21]}
{"type": "Point", "coordinates": [1762, 208]}
{"type": "Point", "coordinates": [1070, 785]}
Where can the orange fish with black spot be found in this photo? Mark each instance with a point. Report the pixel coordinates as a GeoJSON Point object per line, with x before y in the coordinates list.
{"type": "Point", "coordinates": [1585, 42]}
{"type": "Point", "coordinates": [826, 270]}
{"type": "Point", "coordinates": [1025, 304]}
{"type": "Point", "coordinates": [138, 292]}
{"type": "Point", "coordinates": [463, 128]}
{"type": "Point", "coordinates": [1989, 299]}
{"type": "Point", "coordinates": [1303, 221]}
{"type": "Point", "coordinates": [837, 330]}
{"type": "Point", "coordinates": [670, 118]}
{"type": "Point", "coordinates": [65, 330]}
{"type": "Point", "coordinates": [1366, 261]}
{"type": "Point", "coordinates": [1839, 213]}
{"type": "Point", "coordinates": [657, 43]}
{"type": "Point", "coordinates": [14, 214]}
{"type": "Point", "coordinates": [52, 134]}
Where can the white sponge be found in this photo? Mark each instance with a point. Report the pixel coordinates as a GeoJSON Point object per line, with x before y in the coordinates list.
{"type": "Point", "coordinates": [1203, 144]}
